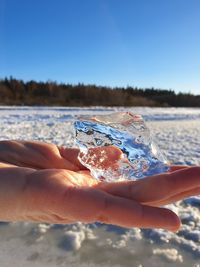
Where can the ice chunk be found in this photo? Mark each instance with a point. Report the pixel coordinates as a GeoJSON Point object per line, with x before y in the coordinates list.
{"type": "Point", "coordinates": [118, 146]}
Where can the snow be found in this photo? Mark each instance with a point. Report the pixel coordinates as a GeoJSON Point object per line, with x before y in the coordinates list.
{"type": "Point", "coordinates": [169, 254]}
{"type": "Point", "coordinates": [177, 132]}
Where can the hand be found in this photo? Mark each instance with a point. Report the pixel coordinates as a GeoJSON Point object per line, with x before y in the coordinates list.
{"type": "Point", "coordinates": [44, 183]}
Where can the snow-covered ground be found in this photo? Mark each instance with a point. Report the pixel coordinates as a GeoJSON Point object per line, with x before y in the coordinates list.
{"type": "Point", "coordinates": [177, 132]}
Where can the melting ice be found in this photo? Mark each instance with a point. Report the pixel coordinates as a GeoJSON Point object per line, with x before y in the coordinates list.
{"type": "Point", "coordinates": [118, 146]}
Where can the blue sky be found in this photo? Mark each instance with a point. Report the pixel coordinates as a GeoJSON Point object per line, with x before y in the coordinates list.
{"type": "Point", "coordinates": [140, 43]}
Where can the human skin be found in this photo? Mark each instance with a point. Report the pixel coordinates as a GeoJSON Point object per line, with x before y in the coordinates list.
{"type": "Point", "coordinates": [41, 182]}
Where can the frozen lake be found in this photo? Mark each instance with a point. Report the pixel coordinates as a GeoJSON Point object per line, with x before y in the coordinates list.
{"type": "Point", "coordinates": [177, 132]}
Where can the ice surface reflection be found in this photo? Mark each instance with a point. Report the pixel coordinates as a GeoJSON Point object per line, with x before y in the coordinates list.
{"type": "Point", "coordinates": [118, 146]}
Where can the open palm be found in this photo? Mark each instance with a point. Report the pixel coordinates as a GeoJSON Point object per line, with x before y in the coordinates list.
{"type": "Point", "coordinates": [44, 183]}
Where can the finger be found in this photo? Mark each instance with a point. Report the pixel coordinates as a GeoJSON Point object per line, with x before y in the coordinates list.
{"type": "Point", "coordinates": [102, 157]}
{"type": "Point", "coordinates": [178, 197]}
{"type": "Point", "coordinates": [125, 213]}
{"type": "Point", "coordinates": [46, 218]}
{"type": "Point", "coordinates": [99, 206]}
{"type": "Point", "coordinates": [71, 155]}
{"type": "Point", "coordinates": [177, 167]}
{"type": "Point", "coordinates": [156, 188]}
{"type": "Point", "coordinates": [26, 153]}
{"type": "Point", "coordinates": [38, 155]}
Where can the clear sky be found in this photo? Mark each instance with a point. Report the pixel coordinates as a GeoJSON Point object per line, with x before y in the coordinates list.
{"type": "Point", "coordinates": [140, 43]}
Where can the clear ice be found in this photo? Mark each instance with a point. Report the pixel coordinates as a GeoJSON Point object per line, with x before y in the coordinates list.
{"type": "Point", "coordinates": [118, 146]}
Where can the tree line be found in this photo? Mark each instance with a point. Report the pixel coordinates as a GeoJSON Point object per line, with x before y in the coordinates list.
{"type": "Point", "coordinates": [49, 93]}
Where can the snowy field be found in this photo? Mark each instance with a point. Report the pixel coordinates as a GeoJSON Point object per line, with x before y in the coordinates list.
{"type": "Point", "coordinates": [177, 132]}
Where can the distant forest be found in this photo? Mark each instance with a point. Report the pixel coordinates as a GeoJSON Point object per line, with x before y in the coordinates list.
{"type": "Point", "coordinates": [18, 92]}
